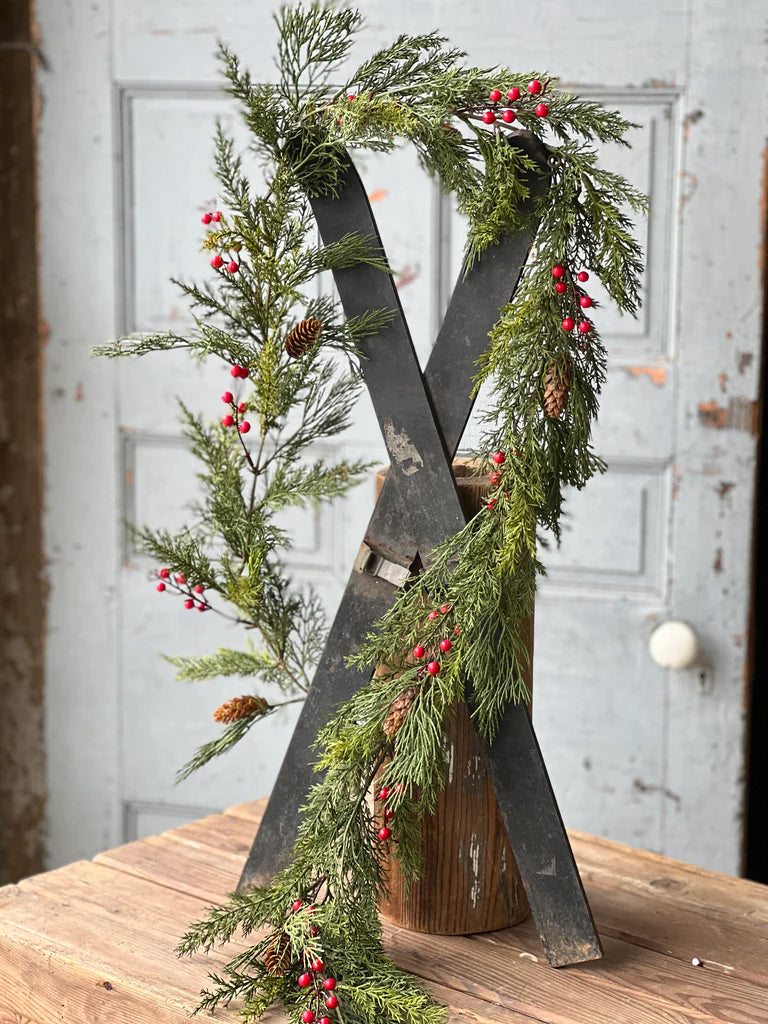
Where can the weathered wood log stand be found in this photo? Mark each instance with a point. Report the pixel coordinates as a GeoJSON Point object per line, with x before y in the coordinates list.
{"type": "Point", "coordinates": [422, 416]}
{"type": "Point", "coordinates": [470, 881]}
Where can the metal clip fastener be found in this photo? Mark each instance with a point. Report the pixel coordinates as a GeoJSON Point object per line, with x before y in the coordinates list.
{"type": "Point", "coordinates": [368, 561]}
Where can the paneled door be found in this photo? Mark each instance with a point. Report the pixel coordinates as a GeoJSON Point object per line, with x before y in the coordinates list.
{"type": "Point", "coordinates": [639, 753]}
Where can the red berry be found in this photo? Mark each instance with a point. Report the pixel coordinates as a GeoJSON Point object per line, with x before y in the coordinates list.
{"type": "Point", "coordinates": [296, 905]}
{"type": "Point", "coordinates": [202, 607]}
{"type": "Point", "coordinates": [457, 630]}
{"type": "Point", "coordinates": [508, 116]}
{"type": "Point", "coordinates": [494, 478]}
{"type": "Point", "coordinates": [244, 427]}
{"type": "Point", "coordinates": [243, 371]}
{"type": "Point", "coordinates": [227, 421]}
{"type": "Point", "coordinates": [491, 503]}
{"type": "Point", "coordinates": [235, 371]}
{"type": "Point", "coordinates": [216, 215]}
{"type": "Point", "coordinates": [217, 262]}
{"type": "Point", "coordinates": [304, 980]}
{"type": "Point", "coordinates": [399, 787]}
{"type": "Point", "coordinates": [243, 407]}
{"type": "Point", "coordinates": [329, 984]}
{"type": "Point", "coordinates": [308, 1016]}
{"type": "Point", "coordinates": [499, 458]}
{"type": "Point", "coordinates": [561, 287]}
{"type": "Point", "coordinates": [388, 813]}
{"type": "Point", "coordinates": [445, 608]}
{"type": "Point", "coordinates": [164, 574]}
{"type": "Point", "coordinates": [233, 267]}
{"type": "Point", "coordinates": [433, 668]}
{"type": "Point", "coordinates": [351, 96]}
{"type": "Point", "coordinates": [324, 1020]}
{"type": "Point", "coordinates": [585, 302]}
{"type": "Point", "coordinates": [206, 218]}
{"type": "Point", "coordinates": [567, 324]}
{"type": "Point", "coordinates": [488, 116]}
{"type": "Point", "coordinates": [227, 397]}
{"type": "Point", "coordinates": [432, 616]}
{"type": "Point", "coordinates": [189, 603]}
{"type": "Point", "coordinates": [198, 588]}
{"type": "Point", "coordinates": [383, 793]}
{"type": "Point", "coordinates": [445, 645]}
{"type": "Point", "coordinates": [418, 651]}
{"type": "Point", "coordinates": [181, 578]}
{"type": "Point", "coordinates": [558, 271]}
{"type": "Point", "coordinates": [385, 832]}
{"type": "Point", "coordinates": [317, 966]}
{"type": "Point", "coordinates": [331, 1001]}
{"type": "Point", "coordinates": [541, 110]}
{"type": "Point", "coordinates": [160, 587]}
{"type": "Point", "coordinates": [582, 275]}
{"type": "Point", "coordinates": [494, 95]}
{"type": "Point", "coordinates": [513, 93]}
{"type": "Point", "coordinates": [534, 87]}
{"type": "Point", "coordinates": [585, 327]}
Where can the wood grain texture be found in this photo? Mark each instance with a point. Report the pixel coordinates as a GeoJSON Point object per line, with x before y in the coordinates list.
{"type": "Point", "coordinates": [22, 585]}
{"type": "Point", "coordinates": [470, 881]}
{"type": "Point", "coordinates": [92, 943]}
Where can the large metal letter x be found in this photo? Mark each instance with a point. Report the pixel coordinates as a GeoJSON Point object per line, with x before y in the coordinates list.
{"type": "Point", "coordinates": [422, 417]}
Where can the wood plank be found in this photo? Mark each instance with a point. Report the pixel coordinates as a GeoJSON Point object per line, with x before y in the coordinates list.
{"type": "Point", "coordinates": [251, 811]}
{"type": "Point", "coordinates": [217, 832]}
{"type": "Point", "coordinates": [71, 944]}
{"type": "Point", "coordinates": [673, 880]}
{"type": "Point", "coordinates": [98, 900]}
{"type": "Point", "coordinates": [678, 929]}
{"type": "Point", "coordinates": [639, 979]}
{"type": "Point", "coordinates": [199, 871]}
{"type": "Point", "coordinates": [622, 914]}
{"type": "Point", "coordinates": [630, 985]}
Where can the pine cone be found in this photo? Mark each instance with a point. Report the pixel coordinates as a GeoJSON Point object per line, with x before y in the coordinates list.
{"type": "Point", "coordinates": [302, 337]}
{"type": "Point", "coordinates": [557, 384]}
{"type": "Point", "coordinates": [277, 955]}
{"type": "Point", "coordinates": [240, 707]}
{"type": "Point", "coordinates": [398, 711]}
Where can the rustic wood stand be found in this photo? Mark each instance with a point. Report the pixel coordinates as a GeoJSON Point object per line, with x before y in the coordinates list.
{"type": "Point", "coordinates": [422, 416]}
{"type": "Point", "coordinates": [92, 943]}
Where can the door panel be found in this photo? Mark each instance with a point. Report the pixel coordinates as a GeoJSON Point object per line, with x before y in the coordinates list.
{"type": "Point", "coordinates": [637, 753]}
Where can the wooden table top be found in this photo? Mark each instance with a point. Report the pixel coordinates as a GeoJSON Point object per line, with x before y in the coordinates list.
{"type": "Point", "coordinates": [93, 942]}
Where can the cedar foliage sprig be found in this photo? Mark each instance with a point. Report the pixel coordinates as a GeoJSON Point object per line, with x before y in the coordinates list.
{"type": "Point", "coordinates": [419, 91]}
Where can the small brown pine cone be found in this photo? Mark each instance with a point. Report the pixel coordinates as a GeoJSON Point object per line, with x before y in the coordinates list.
{"type": "Point", "coordinates": [302, 337]}
{"type": "Point", "coordinates": [277, 955]}
{"type": "Point", "coordinates": [240, 707]}
{"type": "Point", "coordinates": [398, 710]}
{"type": "Point", "coordinates": [557, 384]}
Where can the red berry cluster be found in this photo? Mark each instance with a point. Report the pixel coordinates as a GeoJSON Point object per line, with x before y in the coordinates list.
{"type": "Point", "coordinates": [431, 648]}
{"type": "Point", "coordinates": [233, 419]}
{"type": "Point", "coordinates": [575, 299]}
{"type": "Point", "coordinates": [193, 595]}
{"type": "Point", "coordinates": [385, 832]}
{"type": "Point", "coordinates": [509, 114]}
{"type": "Point", "coordinates": [217, 260]}
{"type": "Point", "coordinates": [319, 982]}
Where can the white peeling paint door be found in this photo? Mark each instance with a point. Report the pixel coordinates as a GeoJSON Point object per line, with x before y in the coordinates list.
{"type": "Point", "coordinates": [637, 753]}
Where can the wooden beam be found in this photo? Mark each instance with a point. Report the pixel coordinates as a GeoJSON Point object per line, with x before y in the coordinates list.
{"type": "Point", "coordinates": [22, 595]}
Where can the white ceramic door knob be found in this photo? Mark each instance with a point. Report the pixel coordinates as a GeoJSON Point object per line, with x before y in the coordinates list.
{"type": "Point", "coordinates": [674, 644]}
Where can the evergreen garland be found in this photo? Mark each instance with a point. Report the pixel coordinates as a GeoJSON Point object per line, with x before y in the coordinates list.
{"type": "Point", "coordinates": [317, 939]}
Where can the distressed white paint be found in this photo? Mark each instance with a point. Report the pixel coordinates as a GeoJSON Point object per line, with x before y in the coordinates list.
{"type": "Point", "coordinates": [635, 752]}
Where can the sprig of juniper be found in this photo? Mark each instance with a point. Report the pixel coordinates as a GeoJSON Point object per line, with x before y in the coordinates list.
{"type": "Point", "coordinates": [323, 905]}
